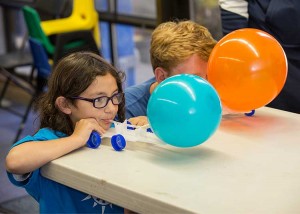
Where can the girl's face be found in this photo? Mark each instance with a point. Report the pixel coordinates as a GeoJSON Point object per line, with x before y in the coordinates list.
{"type": "Point", "coordinates": [101, 86]}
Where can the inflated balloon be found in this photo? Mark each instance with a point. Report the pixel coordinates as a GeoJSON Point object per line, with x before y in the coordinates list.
{"type": "Point", "coordinates": [184, 110]}
{"type": "Point", "coordinates": [248, 68]}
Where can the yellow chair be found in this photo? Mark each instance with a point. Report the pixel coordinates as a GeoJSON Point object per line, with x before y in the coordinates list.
{"type": "Point", "coordinates": [84, 17]}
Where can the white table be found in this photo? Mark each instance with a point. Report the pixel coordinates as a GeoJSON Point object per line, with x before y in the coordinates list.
{"type": "Point", "coordinates": [250, 165]}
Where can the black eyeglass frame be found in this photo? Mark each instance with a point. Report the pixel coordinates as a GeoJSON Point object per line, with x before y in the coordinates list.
{"type": "Point", "coordinates": [97, 98]}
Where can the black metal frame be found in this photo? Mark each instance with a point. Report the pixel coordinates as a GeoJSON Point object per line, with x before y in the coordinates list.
{"type": "Point", "coordinates": [27, 86]}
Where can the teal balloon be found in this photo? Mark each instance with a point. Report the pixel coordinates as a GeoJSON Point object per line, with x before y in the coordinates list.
{"type": "Point", "coordinates": [184, 110]}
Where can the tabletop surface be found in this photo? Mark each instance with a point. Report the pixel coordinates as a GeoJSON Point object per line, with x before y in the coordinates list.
{"type": "Point", "coordinates": [250, 165]}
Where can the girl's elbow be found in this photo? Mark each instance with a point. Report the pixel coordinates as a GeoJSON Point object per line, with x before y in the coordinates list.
{"type": "Point", "coordinates": [13, 163]}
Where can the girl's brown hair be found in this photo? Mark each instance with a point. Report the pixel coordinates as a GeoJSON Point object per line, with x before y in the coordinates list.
{"type": "Point", "coordinates": [71, 76]}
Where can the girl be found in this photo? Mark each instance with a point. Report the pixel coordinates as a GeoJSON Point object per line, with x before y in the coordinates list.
{"type": "Point", "coordinates": [84, 94]}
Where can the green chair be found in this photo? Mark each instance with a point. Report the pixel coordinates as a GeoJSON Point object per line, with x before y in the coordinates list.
{"type": "Point", "coordinates": [33, 23]}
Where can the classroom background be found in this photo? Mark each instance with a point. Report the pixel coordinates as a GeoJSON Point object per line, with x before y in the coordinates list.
{"type": "Point", "coordinates": [125, 29]}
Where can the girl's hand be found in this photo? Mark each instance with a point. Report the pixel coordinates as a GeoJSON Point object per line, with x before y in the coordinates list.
{"type": "Point", "coordinates": [139, 121]}
{"type": "Point", "coordinates": [84, 128]}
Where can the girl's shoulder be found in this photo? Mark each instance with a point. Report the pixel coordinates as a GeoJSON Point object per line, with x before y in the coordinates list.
{"type": "Point", "coordinates": [42, 135]}
{"type": "Point", "coordinates": [48, 134]}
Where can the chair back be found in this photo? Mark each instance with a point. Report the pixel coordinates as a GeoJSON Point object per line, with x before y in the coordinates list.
{"type": "Point", "coordinates": [53, 9]}
{"type": "Point", "coordinates": [84, 16]}
{"type": "Point", "coordinates": [33, 23]}
{"type": "Point", "coordinates": [66, 44]}
{"type": "Point", "coordinates": [40, 62]}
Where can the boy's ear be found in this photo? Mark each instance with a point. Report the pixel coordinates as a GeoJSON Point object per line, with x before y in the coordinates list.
{"type": "Point", "coordinates": [63, 105]}
{"type": "Point", "coordinates": [160, 74]}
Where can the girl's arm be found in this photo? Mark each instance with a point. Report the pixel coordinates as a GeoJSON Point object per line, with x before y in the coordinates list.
{"type": "Point", "coordinates": [30, 156]}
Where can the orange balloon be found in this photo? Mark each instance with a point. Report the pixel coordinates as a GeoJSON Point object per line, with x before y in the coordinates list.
{"type": "Point", "coordinates": [248, 68]}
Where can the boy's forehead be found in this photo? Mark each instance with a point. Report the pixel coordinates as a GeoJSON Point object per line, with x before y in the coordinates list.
{"type": "Point", "coordinates": [193, 65]}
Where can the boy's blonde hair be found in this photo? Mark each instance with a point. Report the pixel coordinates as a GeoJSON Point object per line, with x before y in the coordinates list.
{"type": "Point", "coordinates": [173, 42]}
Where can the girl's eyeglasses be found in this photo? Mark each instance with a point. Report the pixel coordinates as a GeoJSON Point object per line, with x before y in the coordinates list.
{"type": "Point", "coordinates": [101, 102]}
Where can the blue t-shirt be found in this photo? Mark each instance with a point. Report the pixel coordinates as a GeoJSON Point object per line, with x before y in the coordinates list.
{"type": "Point", "coordinates": [136, 99]}
{"type": "Point", "coordinates": [54, 197]}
